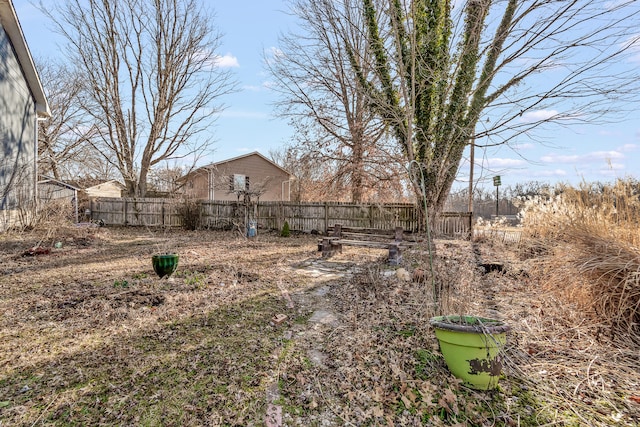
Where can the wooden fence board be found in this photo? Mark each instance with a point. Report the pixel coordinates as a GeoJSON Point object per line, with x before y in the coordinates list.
{"type": "Point", "coordinates": [272, 215]}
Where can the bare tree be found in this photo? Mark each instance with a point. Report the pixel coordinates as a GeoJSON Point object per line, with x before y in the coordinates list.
{"type": "Point", "coordinates": [318, 179]}
{"type": "Point", "coordinates": [166, 179]}
{"type": "Point", "coordinates": [314, 178]}
{"type": "Point", "coordinates": [63, 148]}
{"type": "Point", "coordinates": [441, 66]}
{"type": "Point", "coordinates": [152, 82]}
{"type": "Point", "coordinates": [92, 165]}
{"type": "Point", "coordinates": [320, 93]}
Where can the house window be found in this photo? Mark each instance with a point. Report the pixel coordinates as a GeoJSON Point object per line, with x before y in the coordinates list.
{"type": "Point", "coordinates": [240, 182]}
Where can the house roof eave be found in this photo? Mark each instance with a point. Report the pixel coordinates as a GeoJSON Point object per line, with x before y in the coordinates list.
{"type": "Point", "coordinates": [256, 153]}
{"type": "Point", "coordinates": [111, 181]}
{"type": "Point", "coordinates": [11, 25]}
{"type": "Point", "coordinates": [47, 179]}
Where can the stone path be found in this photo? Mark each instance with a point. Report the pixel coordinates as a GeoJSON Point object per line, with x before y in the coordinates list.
{"type": "Point", "coordinates": [320, 272]}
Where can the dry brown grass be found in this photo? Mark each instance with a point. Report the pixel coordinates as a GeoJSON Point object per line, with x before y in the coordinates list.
{"type": "Point", "coordinates": [591, 244]}
{"type": "Point", "coordinates": [578, 374]}
{"type": "Point", "coordinates": [602, 275]}
{"type": "Point", "coordinates": [89, 336]}
{"type": "Point", "coordinates": [581, 247]}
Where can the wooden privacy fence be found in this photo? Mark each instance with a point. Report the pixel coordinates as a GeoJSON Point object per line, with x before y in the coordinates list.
{"type": "Point", "coordinates": [301, 216]}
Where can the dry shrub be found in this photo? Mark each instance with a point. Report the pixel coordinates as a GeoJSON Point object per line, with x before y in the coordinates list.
{"type": "Point", "coordinates": [588, 246]}
{"type": "Point", "coordinates": [51, 218]}
{"type": "Point", "coordinates": [55, 212]}
{"type": "Point", "coordinates": [190, 211]}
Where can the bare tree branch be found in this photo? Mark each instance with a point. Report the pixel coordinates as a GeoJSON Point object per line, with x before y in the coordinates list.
{"type": "Point", "coordinates": [63, 146]}
{"type": "Point", "coordinates": [319, 93]}
{"type": "Point", "coordinates": [152, 84]}
{"type": "Point", "coordinates": [441, 67]}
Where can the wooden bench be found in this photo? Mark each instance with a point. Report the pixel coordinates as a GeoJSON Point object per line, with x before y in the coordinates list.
{"type": "Point", "coordinates": [337, 236]}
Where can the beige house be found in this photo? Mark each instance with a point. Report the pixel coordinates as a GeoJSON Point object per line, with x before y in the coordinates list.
{"type": "Point", "coordinates": [105, 189]}
{"type": "Point", "coordinates": [231, 179]}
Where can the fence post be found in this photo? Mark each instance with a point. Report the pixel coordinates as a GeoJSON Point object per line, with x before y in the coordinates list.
{"type": "Point", "coordinates": [125, 212]}
{"type": "Point", "coordinates": [371, 215]}
{"type": "Point", "coordinates": [326, 218]}
{"type": "Point", "coordinates": [279, 213]}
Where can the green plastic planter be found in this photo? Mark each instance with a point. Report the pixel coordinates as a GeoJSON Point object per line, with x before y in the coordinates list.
{"type": "Point", "coordinates": [471, 348]}
{"type": "Point", "coordinates": [165, 264]}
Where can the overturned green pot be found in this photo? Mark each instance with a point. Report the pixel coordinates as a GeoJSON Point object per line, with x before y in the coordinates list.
{"type": "Point", "coordinates": [471, 348]}
{"type": "Point", "coordinates": [165, 264]}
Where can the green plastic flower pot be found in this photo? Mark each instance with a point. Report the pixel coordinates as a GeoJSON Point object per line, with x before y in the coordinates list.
{"type": "Point", "coordinates": [471, 348]}
{"type": "Point", "coordinates": [165, 264]}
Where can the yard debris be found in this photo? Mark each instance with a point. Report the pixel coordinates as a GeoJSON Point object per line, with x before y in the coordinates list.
{"type": "Point", "coordinates": [279, 319]}
{"type": "Point", "coordinates": [286, 296]}
{"type": "Point", "coordinates": [247, 277]}
{"type": "Point", "coordinates": [419, 275]}
{"type": "Point", "coordinates": [89, 224]}
{"type": "Point", "coordinates": [491, 266]}
{"type": "Point", "coordinates": [36, 250]}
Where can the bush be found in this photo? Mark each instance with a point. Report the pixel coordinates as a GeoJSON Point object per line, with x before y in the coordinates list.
{"type": "Point", "coordinates": [190, 212]}
{"type": "Point", "coordinates": [286, 232]}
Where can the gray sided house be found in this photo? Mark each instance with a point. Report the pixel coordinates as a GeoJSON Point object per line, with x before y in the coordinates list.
{"type": "Point", "coordinates": [22, 102]}
{"type": "Point", "coordinates": [227, 180]}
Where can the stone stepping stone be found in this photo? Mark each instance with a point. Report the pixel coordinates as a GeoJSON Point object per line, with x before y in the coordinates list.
{"type": "Point", "coordinates": [324, 317]}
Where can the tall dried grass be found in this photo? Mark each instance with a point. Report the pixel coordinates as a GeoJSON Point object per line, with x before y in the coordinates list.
{"type": "Point", "coordinates": [587, 243]}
